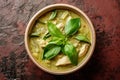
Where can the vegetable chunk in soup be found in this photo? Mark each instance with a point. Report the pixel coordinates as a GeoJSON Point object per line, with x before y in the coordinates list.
{"type": "Point", "coordinates": [59, 40]}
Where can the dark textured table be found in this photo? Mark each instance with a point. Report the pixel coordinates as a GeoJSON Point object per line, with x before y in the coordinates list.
{"type": "Point", "coordinates": [15, 63]}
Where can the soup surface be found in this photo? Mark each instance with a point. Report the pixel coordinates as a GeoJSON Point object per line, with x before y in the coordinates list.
{"type": "Point", "coordinates": [59, 40]}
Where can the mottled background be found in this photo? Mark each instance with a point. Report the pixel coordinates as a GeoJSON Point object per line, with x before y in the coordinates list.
{"type": "Point", "coordinates": [15, 63]}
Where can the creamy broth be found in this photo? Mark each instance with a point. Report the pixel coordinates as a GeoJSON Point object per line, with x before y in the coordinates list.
{"type": "Point", "coordinates": [37, 44]}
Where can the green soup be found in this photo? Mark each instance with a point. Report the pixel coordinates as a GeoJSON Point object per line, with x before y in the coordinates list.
{"type": "Point", "coordinates": [69, 37]}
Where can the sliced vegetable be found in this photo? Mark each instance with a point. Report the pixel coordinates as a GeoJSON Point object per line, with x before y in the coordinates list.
{"type": "Point", "coordinates": [82, 38]}
{"type": "Point", "coordinates": [35, 34]}
{"type": "Point", "coordinates": [64, 15]}
{"type": "Point", "coordinates": [72, 26]}
{"type": "Point", "coordinates": [71, 52]}
{"type": "Point", "coordinates": [53, 30]}
{"type": "Point", "coordinates": [53, 15]}
{"type": "Point", "coordinates": [52, 52]}
{"type": "Point", "coordinates": [35, 46]}
{"type": "Point", "coordinates": [46, 36]}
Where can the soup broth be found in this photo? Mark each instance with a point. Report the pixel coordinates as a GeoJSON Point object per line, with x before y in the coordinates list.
{"type": "Point", "coordinates": [40, 37]}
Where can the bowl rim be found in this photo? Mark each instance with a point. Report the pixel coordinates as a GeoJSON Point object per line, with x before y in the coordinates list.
{"type": "Point", "coordinates": [66, 6]}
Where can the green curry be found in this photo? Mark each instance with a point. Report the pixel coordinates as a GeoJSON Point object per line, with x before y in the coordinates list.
{"type": "Point", "coordinates": [59, 40]}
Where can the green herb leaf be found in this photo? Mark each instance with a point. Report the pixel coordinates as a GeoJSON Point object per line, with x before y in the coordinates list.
{"type": "Point", "coordinates": [57, 41]}
{"type": "Point", "coordinates": [53, 30]}
{"type": "Point", "coordinates": [71, 52]}
{"type": "Point", "coordinates": [51, 51]}
{"type": "Point", "coordinates": [72, 26]}
{"type": "Point", "coordinates": [47, 48]}
{"type": "Point", "coordinates": [46, 36]}
{"type": "Point", "coordinates": [82, 38]}
{"type": "Point", "coordinates": [53, 15]}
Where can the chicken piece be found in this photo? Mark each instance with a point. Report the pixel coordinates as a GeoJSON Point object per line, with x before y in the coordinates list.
{"type": "Point", "coordinates": [75, 43]}
{"type": "Point", "coordinates": [60, 26]}
{"type": "Point", "coordinates": [59, 56]}
{"type": "Point", "coordinates": [63, 61]}
{"type": "Point", "coordinates": [43, 43]}
{"type": "Point", "coordinates": [54, 22]}
{"type": "Point", "coordinates": [83, 50]}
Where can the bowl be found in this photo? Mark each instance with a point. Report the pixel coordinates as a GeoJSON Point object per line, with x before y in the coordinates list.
{"type": "Point", "coordinates": [47, 9]}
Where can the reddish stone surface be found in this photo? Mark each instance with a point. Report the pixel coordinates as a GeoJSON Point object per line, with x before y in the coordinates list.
{"type": "Point", "coordinates": [15, 63]}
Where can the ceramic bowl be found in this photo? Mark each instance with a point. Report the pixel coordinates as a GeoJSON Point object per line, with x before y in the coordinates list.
{"type": "Point", "coordinates": [60, 6]}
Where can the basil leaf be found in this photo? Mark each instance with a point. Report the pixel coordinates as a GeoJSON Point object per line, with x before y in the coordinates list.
{"type": "Point", "coordinates": [53, 30]}
{"type": "Point", "coordinates": [46, 36]}
{"type": "Point", "coordinates": [82, 38]}
{"type": "Point", "coordinates": [62, 49]}
{"type": "Point", "coordinates": [47, 48]}
{"type": "Point", "coordinates": [57, 41]}
{"type": "Point", "coordinates": [71, 52]}
{"type": "Point", "coordinates": [52, 52]}
{"type": "Point", "coordinates": [72, 26]}
{"type": "Point", "coordinates": [53, 15]}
